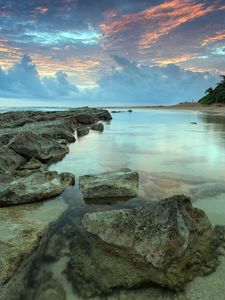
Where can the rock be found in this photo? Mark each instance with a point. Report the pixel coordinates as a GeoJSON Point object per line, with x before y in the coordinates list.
{"type": "Point", "coordinates": [116, 184]}
{"type": "Point", "coordinates": [5, 138]}
{"type": "Point", "coordinates": [50, 290]}
{"type": "Point", "coordinates": [35, 187]}
{"type": "Point", "coordinates": [117, 111]}
{"type": "Point", "coordinates": [57, 133]}
{"type": "Point", "coordinates": [24, 230]}
{"type": "Point", "coordinates": [166, 242]}
{"type": "Point", "coordinates": [98, 127]}
{"type": "Point", "coordinates": [9, 160]}
{"type": "Point", "coordinates": [194, 123]}
{"type": "Point", "coordinates": [32, 164]}
{"type": "Point", "coordinates": [85, 118]}
{"type": "Point", "coordinates": [31, 145]}
{"type": "Point", "coordinates": [82, 130]}
{"type": "Point", "coordinates": [130, 110]}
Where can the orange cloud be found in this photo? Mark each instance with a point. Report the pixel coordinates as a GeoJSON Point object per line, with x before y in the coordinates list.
{"type": "Point", "coordinates": [173, 60]}
{"type": "Point", "coordinates": [159, 20]}
{"type": "Point", "coordinates": [219, 36]}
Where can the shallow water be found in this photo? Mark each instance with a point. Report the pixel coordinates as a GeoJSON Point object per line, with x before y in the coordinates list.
{"type": "Point", "coordinates": [171, 154]}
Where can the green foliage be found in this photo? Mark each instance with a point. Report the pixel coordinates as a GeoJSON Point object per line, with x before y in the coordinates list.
{"type": "Point", "coordinates": [216, 95]}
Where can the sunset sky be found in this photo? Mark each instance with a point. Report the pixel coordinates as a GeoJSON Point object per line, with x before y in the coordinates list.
{"type": "Point", "coordinates": [93, 51]}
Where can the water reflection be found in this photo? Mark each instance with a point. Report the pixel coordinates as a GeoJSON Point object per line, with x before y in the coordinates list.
{"type": "Point", "coordinates": [171, 155]}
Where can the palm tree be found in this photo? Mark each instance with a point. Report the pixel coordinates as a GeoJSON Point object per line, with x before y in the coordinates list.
{"type": "Point", "coordinates": [209, 91]}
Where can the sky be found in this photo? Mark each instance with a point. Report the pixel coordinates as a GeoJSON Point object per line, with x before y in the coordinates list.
{"type": "Point", "coordinates": [101, 52]}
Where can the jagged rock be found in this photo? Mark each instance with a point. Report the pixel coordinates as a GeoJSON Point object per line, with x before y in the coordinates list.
{"type": "Point", "coordinates": [35, 187]}
{"type": "Point", "coordinates": [31, 145]}
{"type": "Point", "coordinates": [9, 160]}
{"type": "Point", "coordinates": [98, 127]}
{"type": "Point", "coordinates": [32, 164]}
{"type": "Point", "coordinates": [166, 242]}
{"type": "Point", "coordinates": [57, 133]}
{"type": "Point", "coordinates": [116, 184]}
{"type": "Point", "coordinates": [82, 130]}
{"type": "Point", "coordinates": [24, 230]}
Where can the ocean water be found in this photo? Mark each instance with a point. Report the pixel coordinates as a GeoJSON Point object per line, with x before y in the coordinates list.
{"type": "Point", "coordinates": [175, 152]}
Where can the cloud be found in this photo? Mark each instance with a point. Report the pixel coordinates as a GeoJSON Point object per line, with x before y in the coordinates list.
{"type": "Point", "coordinates": [139, 84]}
{"type": "Point", "coordinates": [23, 80]}
{"type": "Point", "coordinates": [219, 36]}
{"type": "Point", "coordinates": [161, 19]}
{"type": "Point", "coordinates": [127, 82]}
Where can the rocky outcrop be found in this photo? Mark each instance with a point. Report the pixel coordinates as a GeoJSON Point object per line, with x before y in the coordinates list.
{"type": "Point", "coordinates": [9, 160]}
{"type": "Point", "coordinates": [98, 127]}
{"type": "Point", "coordinates": [31, 145]}
{"type": "Point", "coordinates": [35, 187]}
{"type": "Point", "coordinates": [167, 243]}
{"type": "Point", "coordinates": [24, 231]}
{"type": "Point", "coordinates": [115, 185]}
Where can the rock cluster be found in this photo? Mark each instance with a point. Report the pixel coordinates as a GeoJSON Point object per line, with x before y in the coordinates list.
{"type": "Point", "coordinates": [167, 243]}
{"type": "Point", "coordinates": [29, 143]}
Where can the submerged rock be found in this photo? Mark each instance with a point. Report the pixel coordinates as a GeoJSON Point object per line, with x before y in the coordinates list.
{"type": "Point", "coordinates": [116, 184]}
{"type": "Point", "coordinates": [98, 127]}
{"type": "Point", "coordinates": [31, 145]}
{"type": "Point", "coordinates": [50, 290]}
{"type": "Point", "coordinates": [35, 187]}
{"type": "Point", "coordinates": [24, 230]}
{"type": "Point", "coordinates": [167, 243]}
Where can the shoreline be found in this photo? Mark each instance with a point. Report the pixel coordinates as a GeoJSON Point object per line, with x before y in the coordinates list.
{"type": "Point", "coordinates": [218, 109]}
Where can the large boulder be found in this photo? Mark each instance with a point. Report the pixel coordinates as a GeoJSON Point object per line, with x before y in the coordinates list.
{"type": "Point", "coordinates": [24, 230]}
{"type": "Point", "coordinates": [31, 145]}
{"type": "Point", "coordinates": [167, 243]}
{"type": "Point", "coordinates": [114, 185]}
{"type": "Point", "coordinates": [9, 160]}
{"type": "Point", "coordinates": [35, 187]}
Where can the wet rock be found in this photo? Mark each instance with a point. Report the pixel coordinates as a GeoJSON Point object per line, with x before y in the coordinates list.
{"type": "Point", "coordinates": [24, 230]}
{"type": "Point", "coordinates": [31, 145]}
{"type": "Point", "coordinates": [85, 118]}
{"type": "Point", "coordinates": [116, 184]}
{"type": "Point", "coordinates": [167, 243]}
{"type": "Point", "coordinates": [54, 249]}
{"type": "Point", "coordinates": [5, 138]}
{"type": "Point", "coordinates": [50, 290]}
{"type": "Point", "coordinates": [9, 160]}
{"type": "Point", "coordinates": [57, 133]}
{"type": "Point", "coordinates": [35, 187]}
{"type": "Point", "coordinates": [98, 127]}
{"type": "Point", "coordinates": [117, 111]}
{"type": "Point", "coordinates": [130, 110]}
{"type": "Point", "coordinates": [82, 131]}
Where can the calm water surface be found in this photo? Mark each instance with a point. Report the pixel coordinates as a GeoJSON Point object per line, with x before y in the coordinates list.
{"type": "Point", "coordinates": [171, 154]}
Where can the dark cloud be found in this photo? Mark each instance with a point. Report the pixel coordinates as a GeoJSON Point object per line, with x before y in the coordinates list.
{"type": "Point", "coordinates": [133, 83]}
